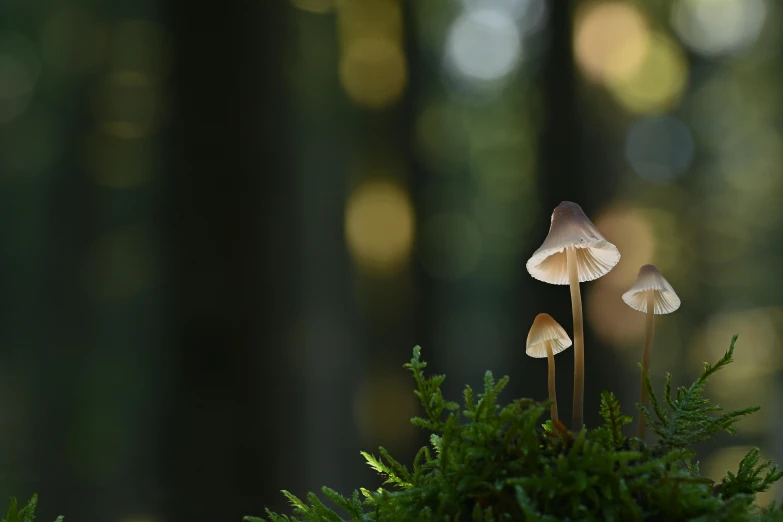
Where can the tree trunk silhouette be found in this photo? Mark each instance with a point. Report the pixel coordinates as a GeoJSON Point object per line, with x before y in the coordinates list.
{"type": "Point", "coordinates": [229, 257]}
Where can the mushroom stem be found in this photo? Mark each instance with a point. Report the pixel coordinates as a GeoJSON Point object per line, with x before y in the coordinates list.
{"type": "Point", "coordinates": [551, 382]}
{"type": "Point", "coordinates": [650, 331]}
{"type": "Point", "coordinates": [579, 341]}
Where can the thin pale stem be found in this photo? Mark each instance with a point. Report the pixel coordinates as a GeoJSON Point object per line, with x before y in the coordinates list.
{"type": "Point", "coordinates": [579, 341]}
{"type": "Point", "coordinates": [648, 340]}
{"type": "Point", "coordinates": [551, 382]}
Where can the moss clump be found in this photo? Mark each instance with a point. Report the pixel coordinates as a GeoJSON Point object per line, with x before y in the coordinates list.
{"type": "Point", "coordinates": [26, 514]}
{"type": "Point", "coordinates": [488, 462]}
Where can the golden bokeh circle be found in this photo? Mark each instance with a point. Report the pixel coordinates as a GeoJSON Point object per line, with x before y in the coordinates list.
{"type": "Point", "coordinates": [611, 40]}
{"type": "Point", "coordinates": [373, 72]}
{"type": "Point", "coordinates": [379, 227]}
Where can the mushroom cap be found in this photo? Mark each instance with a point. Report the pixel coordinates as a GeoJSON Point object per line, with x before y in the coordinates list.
{"type": "Point", "coordinates": [649, 278]}
{"type": "Point", "coordinates": [570, 227]}
{"type": "Point", "coordinates": [546, 329]}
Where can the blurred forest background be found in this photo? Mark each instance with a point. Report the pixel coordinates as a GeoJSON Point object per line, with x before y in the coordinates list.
{"type": "Point", "coordinates": [226, 225]}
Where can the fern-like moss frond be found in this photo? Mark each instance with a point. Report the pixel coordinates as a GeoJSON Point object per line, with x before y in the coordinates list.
{"type": "Point", "coordinates": [688, 417]}
{"type": "Point", "coordinates": [489, 462]}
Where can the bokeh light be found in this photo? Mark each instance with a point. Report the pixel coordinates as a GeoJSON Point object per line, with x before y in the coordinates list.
{"type": "Point", "coordinates": [659, 80]}
{"type": "Point", "coordinates": [440, 130]}
{"type": "Point", "coordinates": [373, 69]}
{"type": "Point", "coordinates": [611, 40]}
{"type": "Point", "coordinates": [483, 44]}
{"type": "Point", "coordinates": [630, 230]}
{"type": "Point", "coordinates": [379, 226]}
{"type": "Point", "coordinates": [369, 19]}
{"type": "Point", "coordinates": [718, 27]}
{"type": "Point", "coordinates": [530, 15]}
{"type": "Point", "coordinates": [127, 104]}
{"type": "Point", "coordinates": [614, 322]}
{"type": "Point", "coordinates": [645, 71]}
{"type": "Point", "coordinates": [373, 72]}
{"type": "Point", "coordinates": [659, 148]}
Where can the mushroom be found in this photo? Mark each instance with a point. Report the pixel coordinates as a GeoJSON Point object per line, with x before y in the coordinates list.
{"type": "Point", "coordinates": [573, 251]}
{"type": "Point", "coordinates": [545, 339]}
{"type": "Point", "coordinates": [652, 294]}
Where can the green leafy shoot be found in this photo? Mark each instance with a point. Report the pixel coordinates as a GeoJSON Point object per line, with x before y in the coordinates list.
{"type": "Point", "coordinates": [429, 393]}
{"type": "Point", "coordinates": [752, 477]}
{"type": "Point", "coordinates": [26, 514]}
{"type": "Point", "coordinates": [486, 461]}
{"type": "Point", "coordinates": [611, 433]}
{"type": "Point", "coordinates": [393, 472]}
{"type": "Point", "coordinates": [688, 418]}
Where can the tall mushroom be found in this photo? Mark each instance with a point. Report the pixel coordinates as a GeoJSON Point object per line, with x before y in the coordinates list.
{"type": "Point", "coordinates": [652, 294]}
{"type": "Point", "coordinates": [573, 251]}
{"type": "Point", "coordinates": [546, 339]}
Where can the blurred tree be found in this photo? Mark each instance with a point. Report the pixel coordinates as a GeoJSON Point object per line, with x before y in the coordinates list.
{"type": "Point", "coordinates": [228, 218]}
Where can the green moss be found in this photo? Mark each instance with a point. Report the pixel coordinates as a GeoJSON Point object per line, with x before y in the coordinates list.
{"type": "Point", "coordinates": [26, 514]}
{"type": "Point", "coordinates": [488, 462]}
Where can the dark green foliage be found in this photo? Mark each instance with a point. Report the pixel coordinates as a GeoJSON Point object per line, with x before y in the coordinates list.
{"type": "Point", "coordinates": [690, 418]}
{"type": "Point", "coordinates": [429, 393]}
{"type": "Point", "coordinates": [751, 478]}
{"type": "Point", "coordinates": [611, 433]}
{"type": "Point", "coordinates": [487, 462]}
{"type": "Point", "coordinates": [26, 514]}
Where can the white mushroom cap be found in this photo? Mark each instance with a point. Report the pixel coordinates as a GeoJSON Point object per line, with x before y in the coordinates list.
{"type": "Point", "coordinates": [546, 329]}
{"type": "Point", "coordinates": [649, 278]}
{"type": "Point", "coordinates": [570, 227]}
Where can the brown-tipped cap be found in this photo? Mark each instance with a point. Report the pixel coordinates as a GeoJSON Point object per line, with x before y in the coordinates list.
{"type": "Point", "coordinates": [649, 278]}
{"type": "Point", "coordinates": [570, 227]}
{"type": "Point", "coordinates": [546, 329]}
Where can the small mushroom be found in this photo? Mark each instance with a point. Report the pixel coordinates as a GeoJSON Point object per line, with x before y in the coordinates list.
{"type": "Point", "coordinates": [573, 251]}
{"type": "Point", "coordinates": [545, 339]}
{"type": "Point", "coordinates": [652, 294]}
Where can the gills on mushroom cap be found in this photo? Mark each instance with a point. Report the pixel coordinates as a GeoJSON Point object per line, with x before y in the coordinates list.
{"type": "Point", "coordinates": [544, 329]}
{"type": "Point", "coordinates": [649, 278]}
{"type": "Point", "coordinates": [545, 339]}
{"type": "Point", "coordinates": [570, 227]}
{"type": "Point", "coordinates": [652, 294]}
{"type": "Point", "coordinates": [573, 251]}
